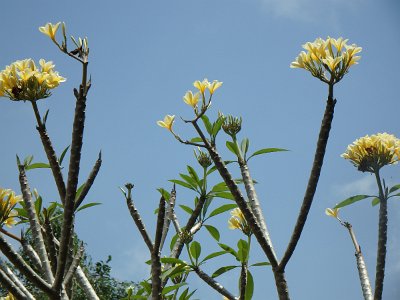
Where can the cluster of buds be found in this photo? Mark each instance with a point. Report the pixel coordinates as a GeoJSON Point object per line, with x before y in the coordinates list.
{"type": "Point", "coordinates": [332, 56]}
{"type": "Point", "coordinates": [203, 158]}
{"type": "Point", "coordinates": [23, 80]}
{"type": "Point", "coordinates": [370, 153]}
{"type": "Point", "coordinates": [232, 125]}
{"type": "Point", "coordinates": [8, 200]}
{"type": "Point", "coordinates": [186, 236]}
{"type": "Point", "coordinates": [238, 221]}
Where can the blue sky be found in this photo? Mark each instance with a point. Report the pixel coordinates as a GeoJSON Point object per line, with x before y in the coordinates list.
{"type": "Point", "coordinates": [146, 54]}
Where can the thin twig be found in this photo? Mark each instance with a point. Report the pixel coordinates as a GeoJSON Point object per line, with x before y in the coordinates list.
{"type": "Point", "coordinates": [89, 182]}
{"type": "Point", "coordinates": [214, 284]}
{"type": "Point", "coordinates": [137, 218]}
{"type": "Point", "coordinates": [168, 217]}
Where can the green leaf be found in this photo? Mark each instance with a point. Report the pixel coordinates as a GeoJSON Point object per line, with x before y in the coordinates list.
{"type": "Point", "coordinates": [186, 209]}
{"type": "Point", "coordinates": [212, 255]}
{"type": "Point", "coordinates": [38, 205]}
{"type": "Point", "coordinates": [222, 209]}
{"type": "Point", "coordinates": [220, 187]}
{"type": "Point", "coordinates": [375, 201]}
{"type": "Point", "coordinates": [266, 150]}
{"type": "Point", "coordinates": [249, 286]}
{"type": "Point", "coordinates": [37, 166]}
{"type": "Point", "coordinates": [171, 288]}
{"type": "Point", "coordinates": [260, 264]}
{"type": "Point", "coordinates": [244, 146]}
{"type": "Point", "coordinates": [88, 205]}
{"type": "Point", "coordinates": [196, 140]}
{"type": "Point", "coordinates": [394, 188]}
{"type": "Point", "coordinates": [173, 241]}
{"type": "Point", "coordinates": [195, 250]}
{"type": "Point", "coordinates": [222, 270]}
{"type": "Point", "coordinates": [172, 260]}
{"type": "Point", "coordinates": [217, 126]}
{"type": "Point", "coordinates": [233, 148]}
{"type": "Point", "coordinates": [243, 250]}
{"type": "Point", "coordinates": [213, 231]}
{"type": "Point", "coordinates": [351, 200]}
{"type": "Point", "coordinates": [193, 173]}
{"type": "Point", "coordinates": [207, 124]}
{"type": "Point", "coordinates": [214, 168]}
{"type": "Point", "coordinates": [229, 250]}
{"type": "Point", "coordinates": [184, 294]}
{"type": "Point", "coordinates": [21, 212]}
{"type": "Point", "coordinates": [182, 183]}
{"type": "Point", "coordinates": [206, 205]}
{"type": "Point", "coordinates": [164, 194]}
{"type": "Point", "coordinates": [60, 160]}
{"type": "Point", "coordinates": [191, 181]}
{"type": "Point", "coordinates": [79, 191]}
{"type": "Point", "coordinates": [225, 195]}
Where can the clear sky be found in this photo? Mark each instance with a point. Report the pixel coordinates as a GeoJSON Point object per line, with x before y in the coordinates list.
{"type": "Point", "coordinates": [146, 54]}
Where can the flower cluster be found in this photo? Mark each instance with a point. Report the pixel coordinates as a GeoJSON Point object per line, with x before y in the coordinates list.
{"type": "Point", "coordinates": [8, 200]}
{"type": "Point", "coordinates": [237, 221]}
{"type": "Point", "coordinates": [370, 153]}
{"type": "Point", "coordinates": [330, 56]}
{"type": "Point", "coordinates": [192, 99]}
{"type": "Point", "coordinates": [23, 80]}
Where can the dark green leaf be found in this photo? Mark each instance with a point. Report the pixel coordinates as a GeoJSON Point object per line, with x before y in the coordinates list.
{"type": "Point", "coordinates": [195, 250]}
{"type": "Point", "coordinates": [173, 241]}
{"type": "Point", "coordinates": [249, 286]}
{"type": "Point", "coordinates": [38, 205]}
{"type": "Point", "coordinates": [186, 209]}
{"type": "Point", "coordinates": [193, 174]}
{"type": "Point", "coordinates": [222, 209]}
{"type": "Point", "coordinates": [394, 188]}
{"type": "Point", "coordinates": [225, 195]}
{"type": "Point", "coordinates": [182, 183]}
{"type": "Point", "coordinates": [184, 294]}
{"type": "Point", "coordinates": [214, 168]}
{"type": "Point", "coordinates": [21, 212]}
{"type": "Point", "coordinates": [217, 126]}
{"type": "Point", "coordinates": [171, 288]}
{"type": "Point", "coordinates": [213, 231]}
{"type": "Point", "coordinates": [266, 150]}
{"type": "Point", "coordinates": [172, 260]}
{"type": "Point", "coordinates": [37, 166]}
{"type": "Point", "coordinates": [232, 147]}
{"type": "Point", "coordinates": [212, 255]}
{"type": "Point", "coordinates": [222, 270]}
{"type": "Point", "coordinates": [220, 187]}
{"type": "Point", "coordinates": [88, 205]}
{"type": "Point", "coordinates": [79, 191]}
{"type": "Point", "coordinates": [351, 200]}
{"type": "Point", "coordinates": [164, 193]}
{"type": "Point", "coordinates": [265, 263]}
{"type": "Point", "coordinates": [244, 146]}
{"type": "Point", "coordinates": [190, 180]}
{"type": "Point", "coordinates": [60, 160]}
{"type": "Point", "coordinates": [229, 250]}
{"type": "Point", "coordinates": [243, 251]}
{"type": "Point", "coordinates": [207, 124]}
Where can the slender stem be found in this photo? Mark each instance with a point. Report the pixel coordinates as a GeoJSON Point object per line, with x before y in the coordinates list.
{"type": "Point", "coordinates": [243, 281]}
{"type": "Point", "coordinates": [2, 230]}
{"type": "Point", "coordinates": [50, 153]}
{"type": "Point", "coordinates": [382, 240]}
{"type": "Point", "coordinates": [156, 282]}
{"type": "Point", "coordinates": [88, 183]}
{"type": "Point", "coordinates": [313, 179]}
{"type": "Point", "coordinates": [254, 202]}
{"type": "Point", "coordinates": [168, 217]}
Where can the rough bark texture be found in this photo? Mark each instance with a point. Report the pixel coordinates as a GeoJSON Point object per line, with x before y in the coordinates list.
{"type": "Point", "coordinates": [364, 279]}
{"type": "Point", "coordinates": [381, 254]}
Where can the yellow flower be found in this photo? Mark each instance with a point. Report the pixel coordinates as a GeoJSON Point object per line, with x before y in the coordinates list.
{"type": "Point", "coordinates": [22, 80]}
{"type": "Point", "coordinates": [167, 123]}
{"type": "Point", "coordinates": [237, 221]}
{"type": "Point", "coordinates": [8, 200]}
{"type": "Point", "coordinates": [212, 87]}
{"type": "Point", "coordinates": [50, 30]}
{"type": "Point", "coordinates": [329, 60]}
{"type": "Point", "coordinates": [191, 99]}
{"type": "Point", "coordinates": [201, 85]}
{"type": "Point", "coordinates": [370, 153]}
{"type": "Point", "coordinates": [332, 212]}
